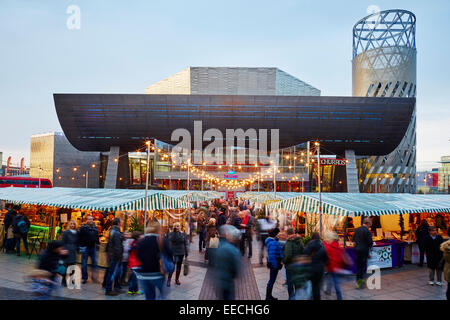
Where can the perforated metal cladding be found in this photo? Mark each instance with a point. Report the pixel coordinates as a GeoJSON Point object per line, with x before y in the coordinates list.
{"type": "Point", "coordinates": [384, 65]}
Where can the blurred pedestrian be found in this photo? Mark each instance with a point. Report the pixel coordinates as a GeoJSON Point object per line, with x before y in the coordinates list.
{"type": "Point", "coordinates": [434, 256]}
{"type": "Point", "coordinates": [114, 250]}
{"type": "Point", "coordinates": [201, 231]}
{"type": "Point", "coordinates": [50, 264]}
{"type": "Point", "coordinates": [421, 233]}
{"type": "Point", "coordinates": [227, 262]}
{"type": "Point", "coordinates": [70, 241]}
{"type": "Point", "coordinates": [445, 248]}
{"type": "Point", "coordinates": [300, 276]}
{"type": "Point", "coordinates": [151, 252]}
{"type": "Point", "coordinates": [134, 264]}
{"type": "Point", "coordinates": [335, 262]}
{"type": "Point", "coordinates": [21, 226]}
{"type": "Point", "coordinates": [292, 249]}
{"type": "Point", "coordinates": [88, 241]}
{"type": "Point", "coordinates": [274, 259]}
{"type": "Point", "coordinates": [363, 244]}
{"type": "Point", "coordinates": [247, 225]}
{"type": "Point", "coordinates": [319, 259]}
{"type": "Point", "coordinates": [264, 225]}
{"type": "Point", "coordinates": [127, 240]}
{"type": "Point", "coordinates": [179, 243]}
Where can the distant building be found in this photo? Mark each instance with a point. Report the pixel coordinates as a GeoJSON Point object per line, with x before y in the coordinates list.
{"type": "Point", "coordinates": [53, 157]}
{"type": "Point", "coordinates": [233, 81]}
{"type": "Point", "coordinates": [444, 175]}
{"type": "Point", "coordinates": [427, 181]}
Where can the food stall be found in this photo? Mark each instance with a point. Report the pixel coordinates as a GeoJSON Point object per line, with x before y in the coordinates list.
{"type": "Point", "coordinates": [51, 209]}
{"type": "Point", "coordinates": [392, 215]}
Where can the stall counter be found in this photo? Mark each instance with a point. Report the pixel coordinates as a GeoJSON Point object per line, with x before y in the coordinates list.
{"type": "Point", "coordinates": [384, 254]}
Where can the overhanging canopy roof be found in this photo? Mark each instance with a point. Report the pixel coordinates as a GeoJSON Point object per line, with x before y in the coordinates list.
{"type": "Point", "coordinates": [360, 204]}
{"type": "Point", "coordinates": [93, 199]}
{"type": "Point", "coordinates": [367, 125]}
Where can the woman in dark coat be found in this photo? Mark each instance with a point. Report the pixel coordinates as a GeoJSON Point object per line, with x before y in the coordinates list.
{"type": "Point", "coordinates": [421, 234]}
{"type": "Point", "coordinates": [70, 242]}
{"type": "Point", "coordinates": [319, 258]}
{"type": "Point", "coordinates": [178, 241]}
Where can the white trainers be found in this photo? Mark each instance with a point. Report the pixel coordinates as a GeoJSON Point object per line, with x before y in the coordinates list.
{"type": "Point", "coordinates": [430, 283]}
{"type": "Point", "coordinates": [439, 283]}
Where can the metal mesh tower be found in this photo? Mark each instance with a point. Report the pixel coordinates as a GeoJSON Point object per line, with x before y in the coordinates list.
{"type": "Point", "coordinates": [384, 65]}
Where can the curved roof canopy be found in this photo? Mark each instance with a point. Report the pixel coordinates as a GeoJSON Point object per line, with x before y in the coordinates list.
{"type": "Point", "coordinates": [369, 126]}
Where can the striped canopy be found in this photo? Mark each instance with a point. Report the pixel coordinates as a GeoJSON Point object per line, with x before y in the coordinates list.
{"type": "Point", "coordinates": [264, 196]}
{"type": "Point", "coordinates": [359, 204]}
{"type": "Point", "coordinates": [92, 199]}
{"type": "Point", "coordinates": [192, 195]}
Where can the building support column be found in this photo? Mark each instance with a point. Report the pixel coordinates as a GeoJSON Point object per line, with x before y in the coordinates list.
{"type": "Point", "coordinates": [112, 168]}
{"type": "Point", "coordinates": [351, 172]}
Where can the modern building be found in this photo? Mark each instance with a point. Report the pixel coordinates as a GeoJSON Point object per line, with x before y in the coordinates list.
{"type": "Point", "coordinates": [121, 123]}
{"type": "Point", "coordinates": [233, 81]}
{"type": "Point", "coordinates": [444, 175]}
{"type": "Point", "coordinates": [373, 132]}
{"type": "Point", "coordinates": [427, 181]}
{"type": "Point", "coordinates": [53, 157]}
{"type": "Point", "coordinates": [384, 65]}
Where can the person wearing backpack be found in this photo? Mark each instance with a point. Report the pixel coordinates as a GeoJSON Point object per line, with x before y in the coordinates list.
{"type": "Point", "coordinates": [21, 226]}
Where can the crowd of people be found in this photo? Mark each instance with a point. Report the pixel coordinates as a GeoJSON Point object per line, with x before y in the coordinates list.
{"type": "Point", "coordinates": [147, 262]}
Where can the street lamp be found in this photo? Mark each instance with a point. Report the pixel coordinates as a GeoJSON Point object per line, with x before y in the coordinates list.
{"type": "Point", "coordinates": [146, 186]}
{"type": "Point", "coordinates": [317, 144]}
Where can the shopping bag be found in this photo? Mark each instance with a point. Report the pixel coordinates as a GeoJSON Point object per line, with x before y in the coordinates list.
{"type": "Point", "coordinates": [214, 242]}
{"type": "Point", "coordinates": [186, 268]}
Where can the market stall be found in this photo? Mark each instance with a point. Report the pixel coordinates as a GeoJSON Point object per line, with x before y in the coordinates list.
{"type": "Point", "coordinates": [57, 206]}
{"type": "Point", "coordinates": [391, 213]}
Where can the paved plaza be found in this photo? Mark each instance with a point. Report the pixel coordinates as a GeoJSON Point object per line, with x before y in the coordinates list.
{"type": "Point", "coordinates": [406, 283]}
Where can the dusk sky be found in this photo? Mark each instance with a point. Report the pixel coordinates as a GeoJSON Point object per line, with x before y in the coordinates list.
{"type": "Point", "coordinates": [124, 46]}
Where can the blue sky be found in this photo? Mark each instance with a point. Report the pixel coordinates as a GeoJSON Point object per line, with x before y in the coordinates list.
{"type": "Point", "coordinates": [124, 46]}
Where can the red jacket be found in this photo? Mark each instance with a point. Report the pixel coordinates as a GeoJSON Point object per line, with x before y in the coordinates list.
{"type": "Point", "coordinates": [133, 261]}
{"type": "Point", "coordinates": [335, 255]}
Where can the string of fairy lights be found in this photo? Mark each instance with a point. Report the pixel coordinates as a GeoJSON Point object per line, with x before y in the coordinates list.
{"type": "Point", "coordinates": [296, 159]}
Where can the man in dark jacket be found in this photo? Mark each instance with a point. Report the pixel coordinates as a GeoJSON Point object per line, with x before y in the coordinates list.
{"type": "Point", "coordinates": [421, 234]}
{"type": "Point", "coordinates": [222, 218]}
{"type": "Point", "coordinates": [21, 225]}
{"type": "Point", "coordinates": [8, 223]}
{"type": "Point", "coordinates": [88, 241]}
{"type": "Point", "coordinates": [363, 245]}
{"type": "Point", "coordinates": [114, 250]}
{"type": "Point", "coordinates": [319, 258]}
{"type": "Point", "coordinates": [434, 256]}
{"type": "Point", "coordinates": [292, 249]}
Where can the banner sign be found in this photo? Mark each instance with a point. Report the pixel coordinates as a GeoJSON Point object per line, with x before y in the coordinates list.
{"type": "Point", "coordinates": [333, 162]}
{"type": "Point", "coordinates": [381, 257]}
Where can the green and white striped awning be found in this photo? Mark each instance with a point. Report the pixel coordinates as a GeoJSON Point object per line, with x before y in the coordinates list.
{"type": "Point", "coordinates": [359, 204]}
{"type": "Point", "coordinates": [192, 195]}
{"type": "Point", "coordinates": [92, 199]}
{"type": "Point", "coordinates": [264, 196]}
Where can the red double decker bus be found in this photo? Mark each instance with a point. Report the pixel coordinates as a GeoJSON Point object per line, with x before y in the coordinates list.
{"type": "Point", "coordinates": [24, 182]}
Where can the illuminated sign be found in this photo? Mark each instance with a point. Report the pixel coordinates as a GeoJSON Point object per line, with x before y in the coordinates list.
{"type": "Point", "coordinates": [333, 162]}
